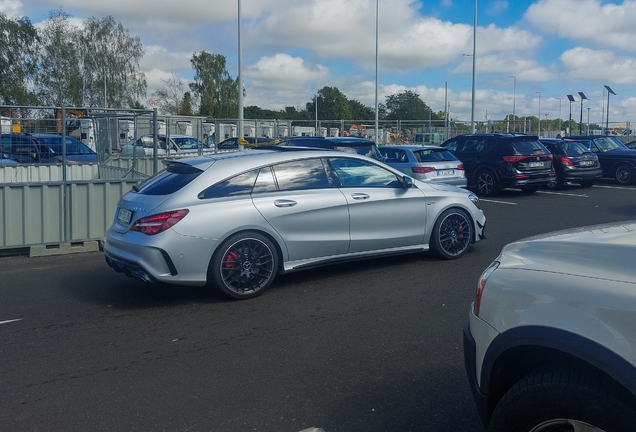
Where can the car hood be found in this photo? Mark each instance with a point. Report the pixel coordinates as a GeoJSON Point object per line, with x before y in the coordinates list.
{"type": "Point", "coordinates": [628, 153]}
{"type": "Point", "coordinates": [600, 251]}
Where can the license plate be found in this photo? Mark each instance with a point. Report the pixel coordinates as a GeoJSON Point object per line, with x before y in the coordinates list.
{"type": "Point", "coordinates": [124, 216]}
{"type": "Point", "coordinates": [535, 164]}
{"type": "Point", "coordinates": [445, 172]}
{"type": "Point", "coordinates": [587, 163]}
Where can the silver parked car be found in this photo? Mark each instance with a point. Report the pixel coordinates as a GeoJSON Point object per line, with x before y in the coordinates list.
{"type": "Point", "coordinates": [550, 343]}
{"type": "Point", "coordinates": [426, 163]}
{"type": "Point", "coordinates": [238, 219]}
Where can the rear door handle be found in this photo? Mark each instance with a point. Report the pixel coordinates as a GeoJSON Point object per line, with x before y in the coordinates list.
{"type": "Point", "coordinates": [285, 203]}
{"type": "Point", "coordinates": [360, 196]}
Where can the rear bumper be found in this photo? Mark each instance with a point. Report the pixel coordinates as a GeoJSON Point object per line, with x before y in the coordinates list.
{"type": "Point", "coordinates": [582, 175]}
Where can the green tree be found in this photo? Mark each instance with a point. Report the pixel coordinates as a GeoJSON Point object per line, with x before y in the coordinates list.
{"type": "Point", "coordinates": [360, 111]}
{"type": "Point", "coordinates": [406, 106]}
{"type": "Point", "coordinates": [18, 61]}
{"type": "Point", "coordinates": [186, 105]}
{"type": "Point", "coordinates": [213, 86]}
{"type": "Point", "coordinates": [332, 105]}
{"type": "Point", "coordinates": [110, 61]}
{"type": "Point", "coordinates": [59, 79]}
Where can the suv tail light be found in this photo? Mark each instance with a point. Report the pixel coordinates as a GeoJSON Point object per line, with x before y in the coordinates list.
{"type": "Point", "coordinates": [482, 284]}
{"type": "Point", "coordinates": [158, 223]}
{"type": "Point", "coordinates": [461, 167]}
{"type": "Point", "coordinates": [422, 170]}
{"type": "Point", "coordinates": [514, 159]}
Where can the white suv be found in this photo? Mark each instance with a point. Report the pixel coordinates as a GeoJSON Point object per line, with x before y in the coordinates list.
{"type": "Point", "coordinates": [550, 344]}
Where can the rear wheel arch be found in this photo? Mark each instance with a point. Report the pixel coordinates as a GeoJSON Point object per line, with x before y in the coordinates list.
{"type": "Point", "coordinates": [629, 167]}
{"type": "Point", "coordinates": [519, 352]}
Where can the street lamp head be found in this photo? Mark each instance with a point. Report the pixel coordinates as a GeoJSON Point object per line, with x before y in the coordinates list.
{"type": "Point", "coordinates": [582, 96]}
{"type": "Point", "coordinates": [571, 98]}
{"type": "Point", "coordinates": [609, 90]}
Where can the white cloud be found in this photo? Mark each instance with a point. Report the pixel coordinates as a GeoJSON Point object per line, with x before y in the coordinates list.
{"type": "Point", "coordinates": [587, 20]}
{"type": "Point", "coordinates": [585, 63]}
{"type": "Point", "coordinates": [11, 8]}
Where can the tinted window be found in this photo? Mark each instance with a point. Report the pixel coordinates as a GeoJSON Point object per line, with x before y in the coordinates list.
{"type": "Point", "coordinates": [359, 173]}
{"type": "Point", "coordinates": [434, 155]}
{"type": "Point", "coordinates": [302, 174]}
{"type": "Point", "coordinates": [451, 145]}
{"type": "Point", "coordinates": [241, 184]}
{"type": "Point", "coordinates": [170, 180]}
{"type": "Point", "coordinates": [573, 148]}
{"type": "Point", "coordinates": [527, 147]}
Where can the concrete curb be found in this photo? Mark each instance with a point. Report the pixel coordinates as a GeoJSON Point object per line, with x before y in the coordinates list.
{"type": "Point", "coordinates": [63, 249]}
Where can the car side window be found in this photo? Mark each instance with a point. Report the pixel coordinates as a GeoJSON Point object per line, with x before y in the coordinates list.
{"type": "Point", "coordinates": [452, 145]}
{"type": "Point", "coordinates": [394, 155]}
{"type": "Point", "coordinates": [301, 175]}
{"type": "Point", "coordinates": [241, 184]}
{"type": "Point", "coordinates": [360, 173]}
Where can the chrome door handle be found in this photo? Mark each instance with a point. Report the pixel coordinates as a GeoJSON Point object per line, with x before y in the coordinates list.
{"type": "Point", "coordinates": [360, 196]}
{"type": "Point", "coordinates": [285, 203]}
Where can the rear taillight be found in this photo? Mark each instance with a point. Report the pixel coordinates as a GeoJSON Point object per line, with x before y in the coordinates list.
{"type": "Point", "coordinates": [422, 170]}
{"type": "Point", "coordinates": [155, 224]}
{"type": "Point", "coordinates": [460, 167]}
{"type": "Point", "coordinates": [482, 284]}
{"type": "Point", "coordinates": [515, 159]}
{"type": "Point", "coordinates": [564, 160]}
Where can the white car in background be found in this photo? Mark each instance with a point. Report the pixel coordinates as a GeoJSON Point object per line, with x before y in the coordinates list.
{"type": "Point", "coordinates": [179, 144]}
{"type": "Point", "coordinates": [550, 343]}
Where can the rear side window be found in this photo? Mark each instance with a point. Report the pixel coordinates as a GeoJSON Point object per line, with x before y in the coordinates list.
{"type": "Point", "coordinates": [301, 175]}
{"type": "Point", "coordinates": [170, 180]}
{"type": "Point", "coordinates": [241, 184]}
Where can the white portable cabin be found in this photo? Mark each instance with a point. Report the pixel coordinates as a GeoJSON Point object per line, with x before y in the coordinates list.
{"type": "Point", "coordinates": [5, 125]}
{"type": "Point", "coordinates": [184, 127]}
{"type": "Point", "coordinates": [303, 131]}
{"type": "Point", "coordinates": [125, 131]}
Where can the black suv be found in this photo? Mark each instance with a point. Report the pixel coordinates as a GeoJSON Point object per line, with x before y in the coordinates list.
{"type": "Point", "coordinates": [361, 146]}
{"type": "Point", "coordinates": [496, 161]}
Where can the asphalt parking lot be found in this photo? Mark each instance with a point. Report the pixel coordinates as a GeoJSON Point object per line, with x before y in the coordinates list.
{"type": "Point", "coordinates": [366, 346]}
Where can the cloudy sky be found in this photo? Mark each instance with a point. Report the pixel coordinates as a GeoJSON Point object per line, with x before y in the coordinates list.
{"type": "Point", "coordinates": [530, 54]}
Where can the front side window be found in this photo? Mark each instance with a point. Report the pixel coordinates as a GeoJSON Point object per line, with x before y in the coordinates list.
{"type": "Point", "coordinates": [359, 173]}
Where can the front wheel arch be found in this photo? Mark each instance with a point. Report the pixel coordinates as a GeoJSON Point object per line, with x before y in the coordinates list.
{"type": "Point", "coordinates": [624, 173]}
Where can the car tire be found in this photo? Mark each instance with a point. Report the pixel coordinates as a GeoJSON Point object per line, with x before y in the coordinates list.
{"type": "Point", "coordinates": [588, 184]}
{"type": "Point", "coordinates": [560, 399]}
{"type": "Point", "coordinates": [452, 234]}
{"type": "Point", "coordinates": [244, 265]}
{"type": "Point", "coordinates": [624, 174]}
{"type": "Point", "coordinates": [487, 183]}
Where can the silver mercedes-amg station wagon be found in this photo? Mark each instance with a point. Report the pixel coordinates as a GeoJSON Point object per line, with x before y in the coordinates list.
{"type": "Point", "coordinates": [236, 220]}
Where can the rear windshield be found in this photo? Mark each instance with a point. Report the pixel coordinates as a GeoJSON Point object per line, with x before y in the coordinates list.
{"type": "Point", "coordinates": [170, 180]}
{"type": "Point", "coordinates": [574, 148]}
{"type": "Point", "coordinates": [434, 155]}
{"type": "Point", "coordinates": [527, 148]}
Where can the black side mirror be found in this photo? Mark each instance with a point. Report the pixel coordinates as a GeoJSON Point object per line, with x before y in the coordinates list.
{"type": "Point", "coordinates": [407, 182]}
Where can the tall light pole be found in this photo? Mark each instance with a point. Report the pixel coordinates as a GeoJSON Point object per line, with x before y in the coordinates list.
{"type": "Point", "coordinates": [571, 99]}
{"type": "Point", "coordinates": [240, 80]}
{"type": "Point", "coordinates": [376, 69]}
{"type": "Point", "coordinates": [514, 100]}
{"type": "Point", "coordinates": [539, 126]}
{"type": "Point", "coordinates": [560, 100]}
{"type": "Point", "coordinates": [472, 107]}
{"type": "Point", "coordinates": [588, 120]}
{"type": "Point", "coordinates": [609, 92]}
{"type": "Point", "coordinates": [583, 97]}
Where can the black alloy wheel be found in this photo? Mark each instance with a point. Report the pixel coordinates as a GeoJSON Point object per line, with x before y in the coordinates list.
{"type": "Point", "coordinates": [486, 183]}
{"type": "Point", "coordinates": [452, 234]}
{"type": "Point", "coordinates": [244, 266]}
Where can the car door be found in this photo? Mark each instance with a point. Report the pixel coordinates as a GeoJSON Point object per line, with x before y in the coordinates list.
{"type": "Point", "coordinates": [300, 201]}
{"type": "Point", "coordinates": [383, 214]}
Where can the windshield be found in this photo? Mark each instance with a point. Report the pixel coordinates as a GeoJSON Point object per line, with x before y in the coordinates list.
{"type": "Point", "coordinates": [188, 143]}
{"type": "Point", "coordinates": [607, 143]}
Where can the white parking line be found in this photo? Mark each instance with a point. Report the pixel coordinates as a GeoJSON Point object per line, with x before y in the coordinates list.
{"type": "Point", "coordinates": [497, 202]}
{"type": "Point", "coordinates": [10, 321]}
{"type": "Point", "coordinates": [615, 187]}
{"type": "Point", "coordinates": [564, 194]}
